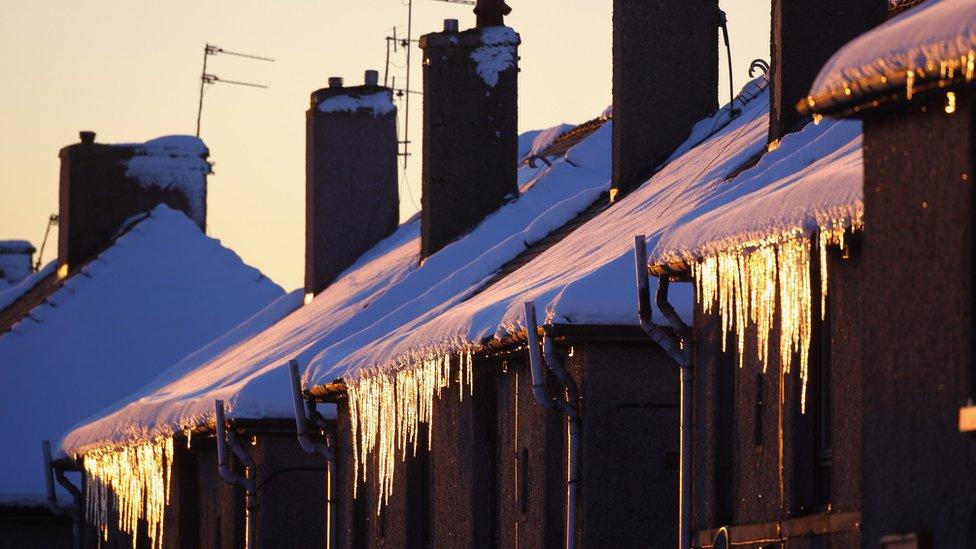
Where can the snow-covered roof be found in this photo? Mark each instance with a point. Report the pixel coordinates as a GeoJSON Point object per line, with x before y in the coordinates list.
{"type": "Point", "coordinates": [587, 278]}
{"type": "Point", "coordinates": [386, 288]}
{"type": "Point", "coordinates": [160, 291]}
{"type": "Point", "coordinates": [933, 41]}
{"type": "Point", "coordinates": [11, 293]}
{"type": "Point", "coordinates": [813, 180]}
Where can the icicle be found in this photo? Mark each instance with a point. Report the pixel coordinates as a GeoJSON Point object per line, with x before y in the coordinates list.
{"type": "Point", "coordinates": [909, 85]}
{"type": "Point", "coordinates": [387, 406]}
{"type": "Point", "coordinates": [134, 483]}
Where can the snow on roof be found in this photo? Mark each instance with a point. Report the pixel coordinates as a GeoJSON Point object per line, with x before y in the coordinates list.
{"type": "Point", "coordinates": [12, 293]}
{"type": "Point", "coordinates": [928, 39]}
{"type": "Point", "coordinates": [386, 288]}
{"type": "Point", "coordinates": [161, 290]}
{"type": "Point", "coordinates": [16, 246]}
{"type": "Point", "coordinates": [174, 161]}
{"type": "Point", "coordinates": [377, 103]}
{"type": "Point", "coordinates": [813, 180]}
{"type": "Point", "coordinates": [587, 278]}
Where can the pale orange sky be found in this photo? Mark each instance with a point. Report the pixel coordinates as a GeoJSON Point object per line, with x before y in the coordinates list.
{"type": "Point", "coordinates": [130, 70]}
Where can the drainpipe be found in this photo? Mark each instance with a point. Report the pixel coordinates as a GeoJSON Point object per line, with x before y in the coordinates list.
{"type": "Point", "coordinates": [311, 447]}
{"type": "Point", "coordinates": [52, 499]}
{"type": "Point", "coordinates": [227, 438]}
{"type": "Point", "coordinates": [569, 406]}
{"type": "Point", "coordinates": [680, 351]}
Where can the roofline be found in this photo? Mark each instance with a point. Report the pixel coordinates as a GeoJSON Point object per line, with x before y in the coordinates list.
{"type": "Point", "coordinates": [892, 87]}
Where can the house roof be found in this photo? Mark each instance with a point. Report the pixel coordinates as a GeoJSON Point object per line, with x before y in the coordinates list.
{"type": "Point", "coordinates": [587, 277]}
{"type": "Point", "coordinates": [388, 287]}
{"type": "Point", "coordinates": [159, 291]}
{"type": "Point", "coordinates": [931, 46]}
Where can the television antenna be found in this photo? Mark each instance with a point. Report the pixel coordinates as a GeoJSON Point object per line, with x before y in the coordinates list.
{"type": "Point", "coordinates": [405, 92]}
{"type": "Point", "coordinates": [209, 79]}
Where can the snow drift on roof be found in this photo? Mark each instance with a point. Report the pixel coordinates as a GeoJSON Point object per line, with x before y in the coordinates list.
{"type": "Point", "coordinates": [386, 288]}
{"type": "Point", "coordinates": [378, 103]}
{"type": "Point", "coordinates": [924, 37]}
{"type": "Point", "coordinates": [174, 161]}
{"type": "Point", "coordinates": [587, 278]}
{"type": "Point", "coordinates": [159, 292]}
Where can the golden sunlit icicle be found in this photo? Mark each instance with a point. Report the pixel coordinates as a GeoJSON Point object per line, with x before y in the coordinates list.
{"type": "Point", "coordinates": [133, 482]}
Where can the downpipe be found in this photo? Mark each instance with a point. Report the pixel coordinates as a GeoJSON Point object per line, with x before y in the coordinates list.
{"type": "Point", "coordinates": [50, 471]}
{"type": "Point", "coordinates": [680, 350]}
{"type": "Point", "coordinates": [227, 439]}
{"type": "Point", "coordinates": [569, 405]}
{"type": "Point", "coordinates": [311, 447]}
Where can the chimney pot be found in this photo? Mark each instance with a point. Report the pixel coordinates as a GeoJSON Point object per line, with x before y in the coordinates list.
{"type": "Point", "coordinates": [87, 137]}
{"type": "Point", "coordinates": [450, 25]}
{"type": "Point", "coordinates": [372, 78]}
{"type": "Point", "coordinates": [335, 82]}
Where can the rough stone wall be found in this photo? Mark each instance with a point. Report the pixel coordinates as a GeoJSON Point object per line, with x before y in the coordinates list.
{"type": "Point", "coordinates": [351, 185]}
{"type": "Point", "coordinates": [918, 322]}
{"type": "Point", "coordinates": [805, 34]}
{"type": "Point", "coordinates": [665, 79]}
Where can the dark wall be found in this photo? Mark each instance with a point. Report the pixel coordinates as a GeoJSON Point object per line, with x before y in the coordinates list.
{"type": "Point", "coordinates": [759, 458]}
{"type": "Point", "coordinates": [665, 79]}
{"type": "Point", "coordinates": [918, 321]}
{"type": "Point", "coordinates": [629, 448]}
{"type": "Point", "coordinates": [351, 184]}
{"type": "Point", "coordinates": [96, 197]}
{"type": "Point", "coordinates": [33, 528]}
{"type": "Point", "coordinates": [470, 149]}
{"type": "Point", "coordinates": [805, 34]}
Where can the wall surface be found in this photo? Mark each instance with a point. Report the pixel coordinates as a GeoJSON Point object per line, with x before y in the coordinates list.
{"type": "Point", "coordinates": [918, 322]}
{"type": "Point", "coordinates": [755, 449]}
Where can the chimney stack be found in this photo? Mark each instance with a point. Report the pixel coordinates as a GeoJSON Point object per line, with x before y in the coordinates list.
{"type": "Point", "coordinates": [15, 261]}
{"type": "Point", "coordinates": [470, 152]}
{"type": "Point", "coordinates": [351, 199]}
{"type": "Point", "coordinates": [102, 186]}
{"type": "Point", "coordinates": [805, 34]}
{"type": "Point", "coordinates": [665, 79]}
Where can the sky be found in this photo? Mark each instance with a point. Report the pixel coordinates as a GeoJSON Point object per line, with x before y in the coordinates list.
{"type": "Point", "coordinates": [130, 71]}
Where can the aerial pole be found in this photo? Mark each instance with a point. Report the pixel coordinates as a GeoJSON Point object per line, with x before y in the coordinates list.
{"type": "Point", "coordinates": [207, 78]}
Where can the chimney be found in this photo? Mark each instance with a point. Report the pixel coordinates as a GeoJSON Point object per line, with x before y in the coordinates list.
{"type": "Point", "coordinates": [665, 79]}
{"type": "Point", "coordinates": [805, 34]}
{"type": "Point", "coordinates": [351, 199]}
{"type": "Point", "coordinates": [470, 152]}
{"type": "Point", "coordinates": [102, 186]}
{"type": "Point", "coordinates": [15, 261]}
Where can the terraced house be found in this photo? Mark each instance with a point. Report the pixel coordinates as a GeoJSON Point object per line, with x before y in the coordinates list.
{"type": "Point", "coordinates": [675, 324]}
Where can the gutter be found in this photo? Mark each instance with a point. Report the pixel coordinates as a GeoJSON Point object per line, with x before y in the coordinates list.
{"type": "Point", "coordinates": [327, 450]}
{"type": "Point", "coordinates": [50, 472]}
{"type": "Point", "coordinates": [227, 438]}
{"type": "Point", "coordinates": [569, 405]}
{"type": "Point", "coordinates": [681, 351]}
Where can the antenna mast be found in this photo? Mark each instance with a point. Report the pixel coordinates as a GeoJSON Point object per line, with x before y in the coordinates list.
{"type": "Point", "coordinates": [207, 78]}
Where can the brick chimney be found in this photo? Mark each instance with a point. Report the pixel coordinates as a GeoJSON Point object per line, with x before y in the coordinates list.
{"type": "Point", "coordinates": [665, 79]}
{"type": "Point", "coordinates": [805, 34]}
{"type": "Point", "coordinates": [470, 152]}
{"type": "Point", "coordinates": [351, 199]}
{"type": "Point", "coordinates": [101, 186]}
{"type": "Point", "coordinates": [15, 260]}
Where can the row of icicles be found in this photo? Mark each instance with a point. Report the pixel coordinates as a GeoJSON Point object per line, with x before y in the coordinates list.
{"type": "Point", "coordinates": [386, 410]}
{"type": "Point", "coordinates": [747, 283]}
{"type": "Point", "coordinates": [133, 484]}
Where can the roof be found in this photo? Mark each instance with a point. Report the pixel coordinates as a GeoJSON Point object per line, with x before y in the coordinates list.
{"type": "Point", "coordinates": [386, 288]}
{"type": "Point", "coordinates": [159, 291]}
{"type": "Point", "coordinates": [587, 277]}
{"type": "Point", "coordinates": [930, 46]}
